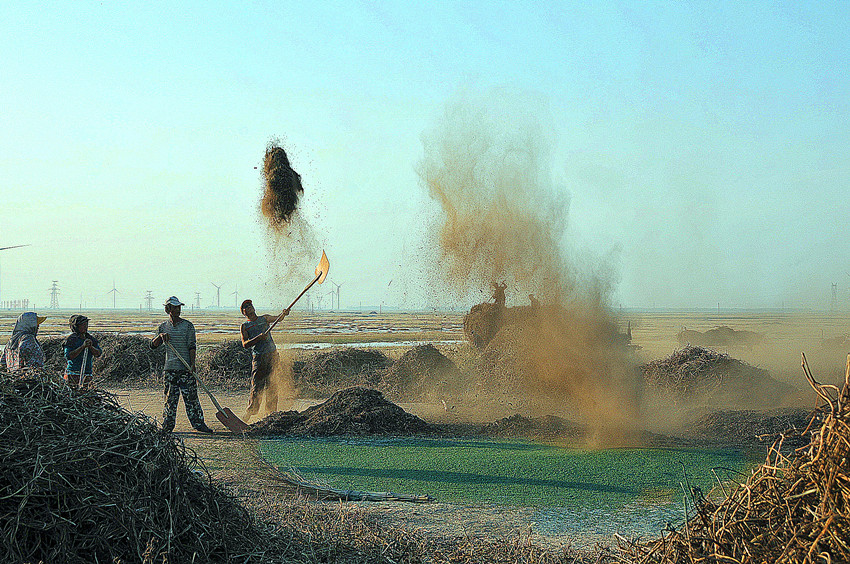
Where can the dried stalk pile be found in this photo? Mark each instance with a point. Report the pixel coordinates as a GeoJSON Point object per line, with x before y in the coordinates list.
{"type": "Point", "coordinates": [125, 359]}
{"type": "Point", "coordinates": [83, 480]}
{"type": "Point", "coordinates": [419, 372]}
{"type": "Point", "coordinates": [696, 373]}
{"type": "Point", "coordinates": [226, 365]}
{"type": "Point", "coordinates": [789, 510]}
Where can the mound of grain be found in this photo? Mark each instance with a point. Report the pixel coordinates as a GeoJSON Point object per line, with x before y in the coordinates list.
{"type": "Point", "coordinates": [85, 481]}
{"type": "Point", "coordinates": [420, 372]}
{"type": "Point", "coordinates": [226, 365]}
{"type": "Point", "coordinates": [698, 375]}
{"type": "Point", "coordinates": [324, 373]}
{"type": "Point", "coordinates": [354, 411]}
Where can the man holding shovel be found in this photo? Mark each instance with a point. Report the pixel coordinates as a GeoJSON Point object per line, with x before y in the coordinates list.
{"type": "Point", "coordinates": [180, 334]}
{"type": "Point", "coordinates": [264, 358]}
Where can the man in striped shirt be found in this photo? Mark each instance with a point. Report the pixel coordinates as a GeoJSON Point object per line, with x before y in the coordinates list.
{"type": "Point", "coordinates": [180, 334]}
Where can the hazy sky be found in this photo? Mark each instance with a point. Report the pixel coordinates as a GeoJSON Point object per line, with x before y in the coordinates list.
{"type": "Point", "coordinates": [703, 146]}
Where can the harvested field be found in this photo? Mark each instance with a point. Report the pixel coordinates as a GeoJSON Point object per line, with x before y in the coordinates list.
{"type": "Point", "coordinates": [354, 411]}
{"type": "Point", "coordinates": [790, 509]}
{"type": "Point", "coordinates": [699, 375]}
{"type": "Point", "coordinates": [420, 373]}
{"type": "Point", "coordinates": [324, 373]}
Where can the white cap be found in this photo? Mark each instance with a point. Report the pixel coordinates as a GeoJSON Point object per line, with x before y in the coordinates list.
{"type": "Point", "coordinates": [173, 301]}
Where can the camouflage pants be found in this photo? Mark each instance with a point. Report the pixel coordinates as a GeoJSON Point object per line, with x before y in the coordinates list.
{"type": "Point", "coordinates": [177, 382]}
{"type": "Point", "coordinates": [262, 382]}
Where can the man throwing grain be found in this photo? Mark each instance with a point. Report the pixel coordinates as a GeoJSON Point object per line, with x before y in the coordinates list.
{"type": "Point", "coordinates": [179, 334]}
{"type": "Point", "coordinates": [264, 358]}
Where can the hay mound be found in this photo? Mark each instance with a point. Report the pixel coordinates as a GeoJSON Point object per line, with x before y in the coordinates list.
{"type": "Point", "coordinates": [125, 359]}
{"type": "Point", "coordinates": [789, 510]}
{"type": "Point", "coordinates": [696, 374]}
{"type": "Point", "coordinates": [507, 360]}
{"type": "Point", "coordinates": [354, 411]}
{"type": "Point", "coordinates": [324, 373]}
{"type": "Point", "coordinates": [481, 324]}
{"type": "Point", "coordinates": [419, 372]}
{"type": "Point", "coordinates": [282, 187]}
{"type": "Point", "coordinates": [720, 337]}
{"type": "Point", "coordinates": [226, 365]}
{"type": "Point", "coordinates": [549, 426]}
{"type": "Point", "coordinates": [85, 481]}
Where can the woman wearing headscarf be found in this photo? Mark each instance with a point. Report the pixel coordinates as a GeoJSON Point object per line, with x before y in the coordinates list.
{"type": "Point", "coordinates": [79, 345]}
{"type": "Point", "coordinates": [23, 349]}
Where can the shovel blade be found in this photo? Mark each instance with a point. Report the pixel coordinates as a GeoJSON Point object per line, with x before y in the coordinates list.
{"type": "Point", "coordinates": [231, 421]}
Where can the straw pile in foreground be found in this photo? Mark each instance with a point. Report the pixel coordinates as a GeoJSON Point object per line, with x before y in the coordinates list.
{"type": "Point", "coordinates": [83, 480]}
{"type": "Point", "coordinates": [789, 510]}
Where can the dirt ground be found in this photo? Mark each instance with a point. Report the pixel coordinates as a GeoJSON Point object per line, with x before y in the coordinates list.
{"type": "Point", "coordinates": [234, 461]}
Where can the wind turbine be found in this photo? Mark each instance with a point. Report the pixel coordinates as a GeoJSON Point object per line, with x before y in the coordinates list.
{"type": "Point", "coordinates": [236, 293]}
{"type": "Point", "coordinates": [13, 247]}
{"type": "Point", "coordinates": [113, 291]}
{"type": "Point", "coordinates": [337, 293]}
{"type": "Point", "coordinates": [217, 294]}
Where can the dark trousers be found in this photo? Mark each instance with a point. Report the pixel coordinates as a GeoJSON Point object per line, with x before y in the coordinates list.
{"type": "Point", "coordinates": [181, 382]}
{"type": "Point", "coordinates": [262, 383]}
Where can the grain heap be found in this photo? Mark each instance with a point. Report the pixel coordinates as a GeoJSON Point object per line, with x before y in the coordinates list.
{"type": "Point", "coordinates": [282, 187]}
{"type": "Point", "coordinates": [354, 411]}
{"type": "Point", "coordinates": [789, 510]}
{"type": "Point", "coordinates": [83, 480]}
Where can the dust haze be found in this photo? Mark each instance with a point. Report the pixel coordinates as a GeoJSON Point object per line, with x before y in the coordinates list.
{"type": "Point", "coordinates": [488, 165]}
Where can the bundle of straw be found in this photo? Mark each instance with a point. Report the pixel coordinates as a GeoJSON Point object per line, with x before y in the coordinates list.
{"type": "Point", "coordinates": [793, 509]}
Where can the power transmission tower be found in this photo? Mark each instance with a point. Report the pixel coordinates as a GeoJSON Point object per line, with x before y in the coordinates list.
{"type": "Point", "coordinates": [217, 294]}
{"type": "Point", "coordinates": [319, 299]}
{"type": "Point", "coordinates": [114, 292]}
{"type": "Point", "coordinates": [149, 300]}
{"type": "Point", "coordinates": [198, 300]}
{"type": "Point", "coordinates": [54, 295]}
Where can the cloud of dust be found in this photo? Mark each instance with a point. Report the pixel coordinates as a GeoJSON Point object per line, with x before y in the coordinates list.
{"type": "Point", "coordinates": [487, 163]}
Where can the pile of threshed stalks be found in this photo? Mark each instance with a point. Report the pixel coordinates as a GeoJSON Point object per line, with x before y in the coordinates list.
{"type": "Point", "coordinates": [83, 480]}
{"type": "Point", "coordinates": [125, 358]}
{"type": "Point", "coordinates": [791, 509]}
{"type": "Point", "coordinates": [694, 374]}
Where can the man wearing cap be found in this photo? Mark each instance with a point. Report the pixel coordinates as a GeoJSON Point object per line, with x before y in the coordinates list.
{"type": "Point", "coordinates": [180, 334]}
{"type": "Point", "coordinates": [264, 358]}
{"type": "Point", "coordinates": [75, 345]}
{"type": "Point", "coordinates": [23, 349]}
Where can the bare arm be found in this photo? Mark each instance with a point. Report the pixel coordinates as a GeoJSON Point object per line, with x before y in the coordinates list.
{"type": "Point", "coordinates": [250, 342]}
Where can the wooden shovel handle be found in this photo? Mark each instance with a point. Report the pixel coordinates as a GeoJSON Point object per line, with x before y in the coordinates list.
{"type": "Point", "coordinates": [304, 291]}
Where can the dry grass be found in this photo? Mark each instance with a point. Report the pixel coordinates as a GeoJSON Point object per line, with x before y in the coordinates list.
{"type": "Point", "coordinates": [791, 509]}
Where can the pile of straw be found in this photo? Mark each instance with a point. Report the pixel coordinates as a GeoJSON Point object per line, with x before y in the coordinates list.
{"type": "Point", "coordinates": [226, 365]}
{"type": "Point", "coordinates": [420, 372]}
{"type": "Point", "coordinates": [789, 510]}
{"type": "Point", "coordinates": [282, 187]}
{"type": "Point", "coordinates": [125, 359]}
{"type": "Point", "coordinates": [324, 373]}
{"type": "Point", "coordinates": [83, 480]}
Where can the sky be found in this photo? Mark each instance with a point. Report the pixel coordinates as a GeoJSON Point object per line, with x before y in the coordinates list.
{"type": "Point", "coordinates": [702, 146]}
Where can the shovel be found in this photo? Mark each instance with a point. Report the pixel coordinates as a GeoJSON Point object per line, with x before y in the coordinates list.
{"type": "Point", "coordinates": [227, 417]}
{"type": "Point", "coordinates": [321, 273]}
